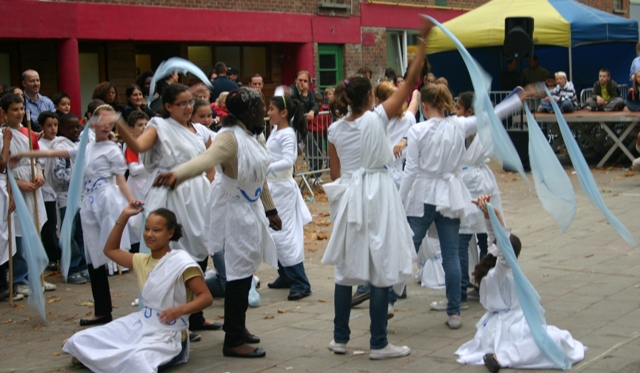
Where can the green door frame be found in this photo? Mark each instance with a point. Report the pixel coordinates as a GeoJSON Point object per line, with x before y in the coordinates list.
{"type": "Point", "coordinates": [330, 49]}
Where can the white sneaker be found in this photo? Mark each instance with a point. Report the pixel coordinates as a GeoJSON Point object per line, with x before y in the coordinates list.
{"type": "Point", "coordinates": [390, 311]}
{"type": "Point", "coordinates": [389, 352]}
{"type": "Point", "coordinates": [337, 348]}
{"type": "Point", "coordinates": [441, 305]}
{"type": "Point", "coordinates": [454, 322]}
{"type": "Point", "coordinates": [21, 289]}
{"type": "Point", "coordinates": [48, 286]}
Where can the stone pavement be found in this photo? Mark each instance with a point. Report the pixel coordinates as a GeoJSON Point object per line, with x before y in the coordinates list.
{"type": "Point", "coordinates": [588, 279]}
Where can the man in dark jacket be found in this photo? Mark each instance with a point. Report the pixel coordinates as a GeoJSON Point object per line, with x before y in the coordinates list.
{"type": "Point", "coordinates": [222, 83]}
{"type": "Point", "coordinates": [606, 95]}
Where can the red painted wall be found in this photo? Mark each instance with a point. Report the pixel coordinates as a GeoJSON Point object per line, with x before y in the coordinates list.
{"type": "Point", "coordinates": [402, 17]}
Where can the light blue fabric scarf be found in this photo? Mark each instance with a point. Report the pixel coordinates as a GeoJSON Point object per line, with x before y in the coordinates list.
{"type": "Point", "coordinates": [177, 64]}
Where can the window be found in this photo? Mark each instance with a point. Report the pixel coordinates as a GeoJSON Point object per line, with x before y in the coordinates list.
{"type": "Point", "coordinates": [201, 56]}
{"type": "Point", "coordinates": [399, 49]}
{"type": "Point", "coordinates": [329, 65]}
{"type": "Point", "coordinates": [441, 3]}
{"type": "Point", "coordinates": [618, 6]}
{"type": "Point", "coordinates": [249, 60]}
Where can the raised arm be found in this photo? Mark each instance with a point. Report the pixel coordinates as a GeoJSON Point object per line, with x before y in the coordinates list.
{"type": "Point", "coordinates": [112, 246]}
{"type": "Point", "coordinates": [143, 143]}
{"type": "Point", "coordinates": [50, 153]}
{"type": "Point", "coordinates": [393, 103]}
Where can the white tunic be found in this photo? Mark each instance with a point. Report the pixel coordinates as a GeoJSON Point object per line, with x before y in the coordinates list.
{"type": "Point", "coordinates": [139, 342]}
{"type": "Point", "coordinates": [504, 331]}
{"type": "Point", "coordinates": [287, 198]}
{"type": "Point", "coordinates": [371, 239]}
{"type": "Point", "coordinates": [138, 177]}
{"type": "Point", "coordinates": [236, 221]}
{"type": "Point", "coordinates": [58, 172]}
{"type": "Point", "coordinates": [398, 129]}
{"type": "Point", "coordinates": [175, 146]}
{"type": "Point", "coordinates": [102, 201]}
{"type": "Point", "coordinates": [48, 193]}
{"type": "Point", "coordinates": [22, 171]}
{"type": "Point", "coordinates": [4, 223]}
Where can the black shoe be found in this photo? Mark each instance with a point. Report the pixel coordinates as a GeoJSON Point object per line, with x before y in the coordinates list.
{"type": "Point", "coordinates": [250, 338]}
{"type": "Point", "coordinates": [193, 337]}
{"type": "Point", "coordinates": [359, 297]}
{"type": "Point", "coordinates": [214, 326]}
{"type": "Point", "coordinates": [278, 285]}
{"type": "Point", "coordinates": [296, 296]}
{"type": "Point", "coordinates": [257, 352]}
{"type": "Point", "coordinates": [102, 320]}
{"type": "Point", "coordinates": [491, 363]}
{"type": "Point", "coordinates": [52, 267]}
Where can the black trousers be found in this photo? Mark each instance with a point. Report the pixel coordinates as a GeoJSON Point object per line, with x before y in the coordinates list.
{"type": "Point", "coordinates": [100, 290]}
{"type": "Point", "coordinates": [236, 302]}
{"type": "Point", "coordinates": [48, 234]}
{"type": "Point", "coordinates": [196, 320]}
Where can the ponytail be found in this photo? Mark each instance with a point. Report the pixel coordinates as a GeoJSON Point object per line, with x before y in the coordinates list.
{"type": "Point", "coordinates": [352, 93]}
{"type": "Point", "coordinates": [383, 91]}
{"type": "Point", "coordinates": [438, 96]}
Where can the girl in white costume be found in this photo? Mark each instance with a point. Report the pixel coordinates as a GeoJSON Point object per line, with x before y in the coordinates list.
{"type": "Point", "coordinates": [283, 150]}
{"type": "Point", "coordinates": [154, 337]}
{"type": "Point", "coordinates": [239, 201]}
{"type": "Point", "coordinates": [167, 142]}
{"type": "Point", "coordinates": [430, 190]}
{"type": "Point", "coordinates": [503, 339]}
{"type": "Point", "coordinates": [371, 241]}
{"type": "Point", "coordinates": [105, 193]}
{"type": "Point", "coordinates": [6, 207]}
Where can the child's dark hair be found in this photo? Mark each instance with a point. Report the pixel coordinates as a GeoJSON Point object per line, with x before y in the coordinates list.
{"type": "Point", "coordinates": [466, 100]}
{"type": "Point", "coordinates": [295, 113]}
{"type": "Point", "coordinates": [489, 260]}
{"type": "Point", "coordinates": [438, 96]}
{"type": "Point", "coordinates": [550, 75]}
{"type": "Point", "coordinates": [93, 105]}
{"type": "Point", "coordinates": [199, 104]}
{"type": "Point", "coordinates": [57, 98]}
{"type": "Point", "coordinates": [169, 96]}
{"type": "Point", "coordinates": [10, 98]}
{"type": "Point", "coordinates": [46, 115]}
{"type": "Point", "coordinates": [64, 120]}
{"type": "Point", "coordinates": [172, 222]}
{"type": "Point", "coordinates": [135, 116]}
{"type": "Point", "coordinates": [350, 92]}
{"type": "Point", "coordinates": [243, 104]}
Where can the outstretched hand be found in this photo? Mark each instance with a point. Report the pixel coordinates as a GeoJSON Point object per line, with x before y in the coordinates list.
{"type": "Point", "coordinates": [167, 179]}
{"type": "Point", "coordinates": [426, 28]}
{"type": "Point", "coordinates": [481, 202]}
{"type": "Point", "coordinates": [133, 208]}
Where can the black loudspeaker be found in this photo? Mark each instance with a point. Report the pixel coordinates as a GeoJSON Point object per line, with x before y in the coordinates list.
{"type": "Point", "coordinates": [520, 139]}
{"type": "Point", "coordinates": [518, 37]}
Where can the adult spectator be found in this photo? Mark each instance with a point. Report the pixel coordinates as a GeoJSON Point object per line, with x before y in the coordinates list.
{"type": "Point", "coordinates": [221, 83]}
{"type": "Point", "coordinates": [257, 83]}
{"type": "Point", "coordinates": [390, 75]}
{"type": "Point", "coordinates": [34, 102]}
{"type": "Point", "coordinates": [534, 73]}
{"type": "Point", "coordinates": [606, 95]}
{"type": "Point", "coordinates": [366, 72]}
{"type": "Point", "coordinates": [300, 91]}
{"type": "Point", "coordinates": [108, 93]}
{"type": "Point", "coordinates": [135, 102]}
{"type": "Point", "coordinates": [155, 102]}
{"type": "Point", "coordinates": [635, 65]}
{"type": "Point", "coordinates": [144, 82]}
{"type": "Point", "coordinates": [233, 75]}
{"type": "Point", "coordinates": [511, 78]}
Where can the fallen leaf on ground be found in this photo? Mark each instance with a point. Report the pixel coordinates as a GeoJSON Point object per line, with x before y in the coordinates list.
{"type": "Point", "coordinates": [87, 304]}
{"type": "Point", "coordinates": [282, 311]}
{"type": "Point", "coordinates": [269, 317]}
{"type": "Point", "coordinates": [55, 354]}
{"type": "Point", "coordinates": [53, 300]}
{"type": "Point", "coordinates": [588, 255]}
{"type": "Point", "coordinates": [288, 368]}
{"type": "Point", "coordinates": [322, 236]}
{"type": "Point", "coordinates": [7, 321]}
{"type": "Point", "coordinates": [323, 301]}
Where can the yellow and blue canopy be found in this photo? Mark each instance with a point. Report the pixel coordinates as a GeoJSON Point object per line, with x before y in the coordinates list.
{"type": "Point", "coordinates": [564, 23]}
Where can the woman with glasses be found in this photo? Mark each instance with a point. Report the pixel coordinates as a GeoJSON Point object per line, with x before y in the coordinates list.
{"type": "Point", "coordinates": [169, 141]}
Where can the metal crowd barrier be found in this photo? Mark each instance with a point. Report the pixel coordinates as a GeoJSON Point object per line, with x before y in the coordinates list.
{"type": "Point", "coordinates": [314, 160]}
{"type": "Point", "coordinates": [588, 92]}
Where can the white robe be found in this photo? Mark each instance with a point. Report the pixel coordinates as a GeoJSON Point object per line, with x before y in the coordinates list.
{"type": "Point", "coordinates": [138, 177]}
{"type": "Point", "coordinates": [4, 223]}
{"type": "Point", "coordinates": [139, 342]}
{"type": "Point", "coordinates": [286, 195]}
{"type": "Point", "coordinates": [504, 331]}
{"type": "Point", "coordinates": [22, 171]}
{"type": "Point", "coordinates": [371, 239]}
{"type": "Point", "coordinates": [237, 223]}
{"type": "Point", "coordinates": [102, 201]}
{"type": "Point", "coordinates": [175, 146]}
{"type": "Point", "coordinates": [60, 186]}
{"type": "Point", "coordinates": [48, 193]}
{"type": "Point", "coordinates": [398, 129]}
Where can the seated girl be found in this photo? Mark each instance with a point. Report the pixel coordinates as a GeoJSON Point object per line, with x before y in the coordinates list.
{"type": "Point", "coordinates": [503, 338]}
{"type": "Point", "coordinates": [156, 336]}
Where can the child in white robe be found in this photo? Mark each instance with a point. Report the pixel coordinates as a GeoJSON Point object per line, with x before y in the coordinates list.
{"type": "Point", "coordinates": [105, 193]}
{"type": "Point", "coordinates": [503, 339]}
{"type": "Point", "coordinates": [283, 150]}
{"type": "Point", "coordinates": [154, 337]}
{"type": "Point", "coordinates": [6, 208]}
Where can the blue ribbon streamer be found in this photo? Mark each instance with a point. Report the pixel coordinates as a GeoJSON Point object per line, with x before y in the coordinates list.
{"type": "Point", "coordinates": [32, 248]}
{"type": "Point", "coordinates": [585, 177]}
{"type": "Point", "coordinates": [143, 250]}
{"type": "Point", "coordinates": [529, 300]}
{"type": "Point", "coordinates": [553, 186]}
{"type": "Point", "coordinates": [73, 202]}
{"type": "Point", "coordinates": [177, 64]}
{"type": "Point", "coordinates": [490, 128]}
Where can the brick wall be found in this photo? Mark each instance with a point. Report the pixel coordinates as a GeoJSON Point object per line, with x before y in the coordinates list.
{"type": "Point", "coordinates": [352, 59]}
{"type": "Point", "coordinates": [121, 66]}
{"type": "Point", "coordinates": [38, 55]}
{"type": "Point", "coordinates": [375, 56]}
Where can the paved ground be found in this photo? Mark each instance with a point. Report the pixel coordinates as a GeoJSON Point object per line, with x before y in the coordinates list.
{"type": "Point", "coordinates": [588, 278]}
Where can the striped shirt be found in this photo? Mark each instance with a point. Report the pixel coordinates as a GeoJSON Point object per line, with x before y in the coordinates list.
{"type": "Point", "coordinates": [35, 107]}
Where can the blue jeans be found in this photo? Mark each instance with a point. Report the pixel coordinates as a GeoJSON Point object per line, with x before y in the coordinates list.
{"type": "Point", "coordinates": [20, 269]}
{"type": "Point", "coordinates": [296, 276]}
{"type": "Point", "coordinates": [632, 105]}
{"type": "Point", "coordinates": [463, 254]}
{"type": "Point", "coordinates": [377, 312]}
{"type": "Point", "coordinates": [218, 285]}
{"type": "Point", "coordinates": [78, 259]}
{"type": "Point", "coordinates": [393, 297]}
{"type": "Point", "coordinates": [448, 234]}
{"type": "Point", "coordinates": [566, 106]}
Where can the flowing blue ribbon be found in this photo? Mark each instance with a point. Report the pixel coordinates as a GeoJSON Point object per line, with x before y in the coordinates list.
{"type": "Point", "coordinates": [552, 184]}
{"type": "Point", "coordinates": [490, 128]}
{"type": "Point", "coordinates": [73, 202]}
{"type": "Point", "coordinates": [143, 250]}
{"type": "Point", "coordinates": [32, 248]}
{"type": "Point", "coordinates": [585, 177]}
{"type": "Point", "coordinates": [177, 64]}
{"type": "Point", "coordinates": [529, 300]}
